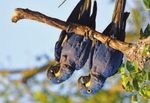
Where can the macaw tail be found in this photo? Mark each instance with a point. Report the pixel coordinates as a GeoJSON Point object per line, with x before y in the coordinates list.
{"type": "Point", "coordinates": [119, 19]}
{"type": "Point", "coordinates": [119, 10]}
{"type": "Point", "coordinates": [92, 20]}
{"type": "Point", "coordinates": [81, 12]}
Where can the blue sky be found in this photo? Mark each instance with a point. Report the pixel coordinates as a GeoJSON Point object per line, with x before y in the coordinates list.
{"type": "Point", "coordinates": [20, 43]}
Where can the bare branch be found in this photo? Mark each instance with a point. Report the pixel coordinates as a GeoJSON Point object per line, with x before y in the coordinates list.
{"type": "Point", "coordinates": [32, 15]}
{"type": "Point", "coordinates": [28, 72]}
{"type": "Point", "coordinates": [132, 51]}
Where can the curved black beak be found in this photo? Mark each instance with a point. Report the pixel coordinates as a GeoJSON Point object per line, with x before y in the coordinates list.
{"type": "Point", "coordinates": [53, 71]}
{"type": "Point", "coordinates": [84, 81]}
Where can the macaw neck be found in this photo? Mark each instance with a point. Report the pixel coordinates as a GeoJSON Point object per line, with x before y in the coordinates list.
{"type": "Point", "coordinates": [67, 61]}
{"type": "Point", "coordinates": [98, 77]}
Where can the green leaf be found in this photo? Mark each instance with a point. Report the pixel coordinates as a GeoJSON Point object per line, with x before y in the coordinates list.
{"type": "Point", "coordinates": [135, 84]}
{"type": "Point", "coordinates": [148, 76]}
{"type": "Point", "coordinates": [146, 50]}
{"type": "Point", "coordinates": [130, 67]}
{"type": "Point", "coordinates": [128, 87]}
{"type": "Point", "coordinates": [136, 67]}
{"type": "Point", "coordinates": [146, 32]}
{"type": "Point", "coordinates": [126, 82]}
{"type": "Point", "coordinates": [125, 79]}
{"type": "Point", "coordinates": [147, 3]}
{"type": "Point", "coordinates": [134, 98]}
{"type": "Point", "coordinates": [145, 90]}
{"type": "Point", "coordinates": [144, 93]}
{"type": "Point", "coordinates": [122, 69]}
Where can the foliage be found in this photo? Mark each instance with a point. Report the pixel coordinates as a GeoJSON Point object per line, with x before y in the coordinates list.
{"type": "Point", "coordinates": [146, 32]}
{"type": "Point", "coordinates": [38, 92]}
{"type": "Point", "coordinates": [139, 17]}
{"type": "Point", "coordinates": [134, 80]}
{"type": "Point", "coordinates": [147, 3]}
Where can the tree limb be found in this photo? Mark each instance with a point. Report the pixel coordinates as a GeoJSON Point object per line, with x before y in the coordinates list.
{"type": "Point", "coordinates": [133, 52]}
{"type": "Point", "coordinates": [28, 72]}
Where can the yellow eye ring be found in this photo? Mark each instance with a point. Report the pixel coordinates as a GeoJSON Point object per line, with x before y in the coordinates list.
{"type": "Point", "coordinates": [89, 91]}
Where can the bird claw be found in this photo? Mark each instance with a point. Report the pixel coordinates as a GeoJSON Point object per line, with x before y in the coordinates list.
{"type": "Point", "coordinates": [70, 28]}
{"type": "Point", "coordinates": [91, 35]}
{"type": "Point", "coordinates": [107, 42]}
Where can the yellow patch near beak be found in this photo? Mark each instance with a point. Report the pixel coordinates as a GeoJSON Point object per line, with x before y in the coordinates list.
{"type": "Point", "coordinates": [88, 84]}
{"type": "Point", "coordinates": [57, 74]}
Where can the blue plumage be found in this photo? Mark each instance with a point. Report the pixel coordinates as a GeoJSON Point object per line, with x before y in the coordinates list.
{"type": "Point", "coordinates": [71, 50]}
{"type": "Point", "coordinates": [105, 61]}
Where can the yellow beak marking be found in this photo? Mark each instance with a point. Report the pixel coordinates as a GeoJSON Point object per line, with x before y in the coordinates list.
{"type": "Point", "coordinates": [57, 74]}
{"type": "Point", "coordinates": [88, 84]}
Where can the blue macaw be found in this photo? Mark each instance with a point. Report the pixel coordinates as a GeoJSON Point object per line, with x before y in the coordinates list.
{"type": "Point", "coordinates": [105, 61]}
{"type": "Point", "coordinates": [72, 50]}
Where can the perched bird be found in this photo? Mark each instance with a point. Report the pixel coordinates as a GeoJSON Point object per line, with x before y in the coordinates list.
{"type": "Point", "coordinates": [105, 61]}
{"type": "Point", "coordinates": [72, 50]}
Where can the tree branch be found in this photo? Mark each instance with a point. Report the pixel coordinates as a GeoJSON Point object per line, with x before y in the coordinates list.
{"type": "Point", "coordinates": [28, 72]}
{"type": "Point", "coordinates": [133, 52]}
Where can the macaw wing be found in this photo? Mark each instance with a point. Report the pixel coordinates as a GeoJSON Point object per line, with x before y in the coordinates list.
{"type": "Point", "coordinates": [117, 31]}
{"type": "Point", "coordinates": [86, 44]}
{"type": "Point", "coordinates": [75, 17]}
{"type": "Point", "coordinates": [58, 45]}
{"type": "Point", "coordinates": [110, 59]}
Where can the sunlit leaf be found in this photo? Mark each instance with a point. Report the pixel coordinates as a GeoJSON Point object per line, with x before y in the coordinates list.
{"type": "Point", "coordinates": [128, 87]}
{"type": "Point", "coordinates": [146, 32]}
{"type": "Point", "coordinates": [134, 98]}
{"type": "Point", "coordinates": [147, 3]}
{"type": "Point", "coordinates": [135, 84]}
{"type": "Point", "coordinates": [145, 90]}
{"type": "Point", "coordinates": [136, 67]}
{"type": "Point", "coordinates": [125, 79]}
{"type": "Point", "coordinates": [148, 76]}
{"type": "Point", "coordinates": [130, 66]}
{"type": "Point", "coordinates": [122, 69]}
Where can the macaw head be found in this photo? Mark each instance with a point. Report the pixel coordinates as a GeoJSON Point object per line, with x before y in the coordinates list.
{"type": "Point", "coordinates": [90, 84]}
{"type": "Point", "coordinates": [59, 73]}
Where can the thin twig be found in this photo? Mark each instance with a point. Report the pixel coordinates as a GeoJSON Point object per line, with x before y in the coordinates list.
{"type": "Point", "coordinates": [62, 3]}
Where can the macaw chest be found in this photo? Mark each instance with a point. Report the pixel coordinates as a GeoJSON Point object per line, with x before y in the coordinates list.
{"type": "Point", "coordinates": [106, 61]}
{"type": "Point", "coordinates": [73, 47]}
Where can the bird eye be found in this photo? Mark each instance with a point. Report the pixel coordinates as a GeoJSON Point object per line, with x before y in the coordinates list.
{"type": "Point", "coordinates": [52, 72]}
{"type": "Point", "coordinates": [89, 91]}
{"type": "Point", "coordinates": [66, 66]}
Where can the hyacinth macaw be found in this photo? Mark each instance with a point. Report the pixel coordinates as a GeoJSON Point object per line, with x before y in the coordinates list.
{"type": "Point", "coordinates": [105, 61]}
{"type": "Point", "coordinates": [72, 50]}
